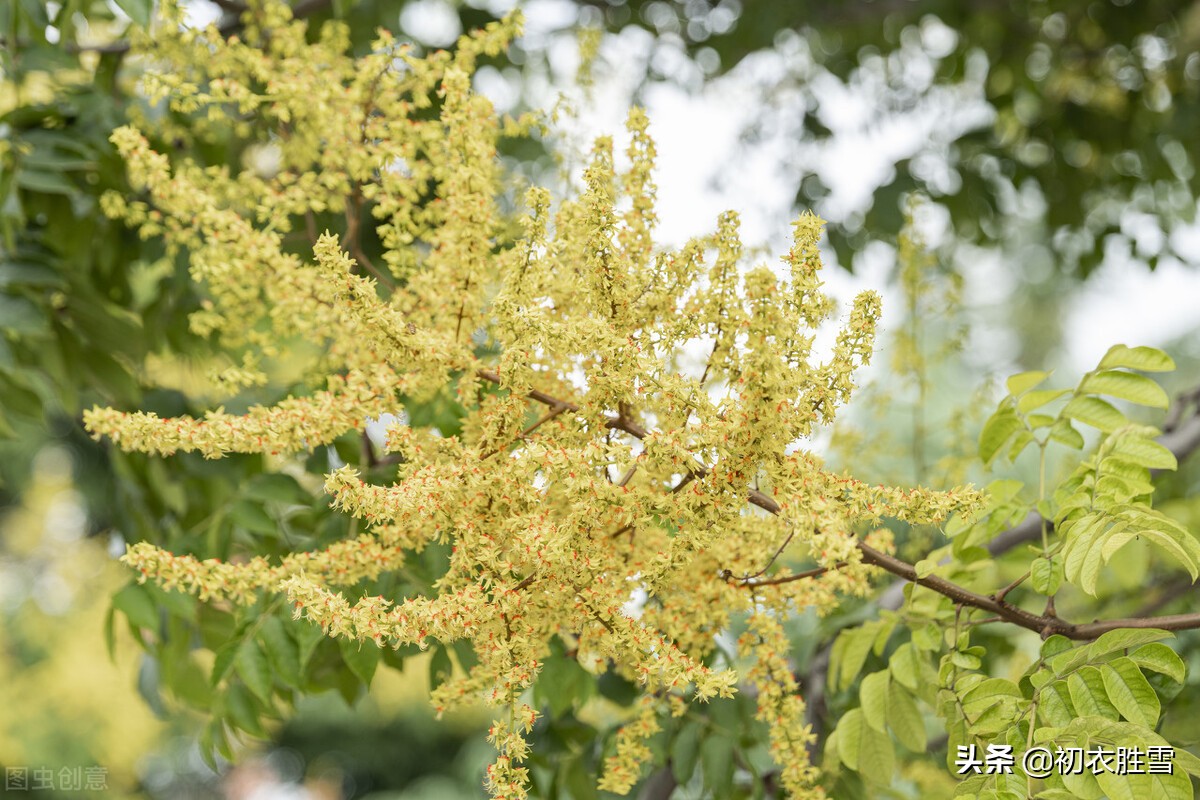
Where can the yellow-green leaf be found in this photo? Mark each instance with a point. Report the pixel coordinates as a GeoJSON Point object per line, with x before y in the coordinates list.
{"type": "Point", "coordinates": [1097, 413]}
{"type": "Point", "coordinates": [1024, 381]}
{"type": "Point", "coordinates": [1089, 695]}
{"type": "Point", "coordinates": [1161, 659]}
{"type": "Point", "coordinates": [1126, 386]}
{"type": "Point", "coordinates": [1146, 359]}
{"type": "Point", "coordinates": [873, 697]}
{"type": "Point", "coordinates": [1129, 692]}
{"type": "Point", "coordinates": [1038, 398]}
{"type": "Point", "coordinates": [996, 432]}
{"type": "Point", "coordinates": [904, 718]}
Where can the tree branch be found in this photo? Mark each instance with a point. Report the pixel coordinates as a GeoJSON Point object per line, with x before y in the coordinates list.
{"type": "Point", "coordinates": [1045, 624]}
{"type": "Point", "coordinates": [750, 583]}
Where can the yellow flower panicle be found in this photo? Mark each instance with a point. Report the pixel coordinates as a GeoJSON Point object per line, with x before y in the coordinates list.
{"type": "Point", "coordinates": [622, 770]}
{"type": "Point", "coordinates": [343, 563]}
{"type": "Point", "coordinates": [620, 403]}
{"type": "Point", "coordinates": [780, 706]}
{"type": "Point", "coordinates": [291, 425]}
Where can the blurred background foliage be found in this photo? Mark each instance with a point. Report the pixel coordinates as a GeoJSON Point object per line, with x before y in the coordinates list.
{"type": "Point", "coordinates": [1052, 135]}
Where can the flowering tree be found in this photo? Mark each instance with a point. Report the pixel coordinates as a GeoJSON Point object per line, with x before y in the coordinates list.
{"type": "Point", "coordinates": [595, 470]}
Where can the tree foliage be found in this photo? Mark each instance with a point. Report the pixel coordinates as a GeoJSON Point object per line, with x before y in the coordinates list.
{"type": "Point", "coordinates": [1093, 106]}
{"type": "Point", "coordinates": [594, 507]}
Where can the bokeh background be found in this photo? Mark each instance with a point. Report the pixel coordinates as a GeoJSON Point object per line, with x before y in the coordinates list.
{"type": "Point", "coordinates": [1045, 154]}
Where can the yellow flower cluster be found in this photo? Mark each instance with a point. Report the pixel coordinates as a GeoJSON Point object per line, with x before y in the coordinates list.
{"type": "Point", "coordinates": [597, 462]}
{"type": "Point", "coordinates": [622, 770]}
{"type": "Point", "coordinates": [780, 706]}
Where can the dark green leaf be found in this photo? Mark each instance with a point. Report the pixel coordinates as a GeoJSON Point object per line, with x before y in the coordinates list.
{"type": "Point", "coordinates": [363, 658]}
{"type": "Point", "coordinates": [254, 669]}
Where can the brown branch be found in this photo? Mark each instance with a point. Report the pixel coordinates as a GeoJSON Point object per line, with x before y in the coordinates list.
{"type": "Point", "coordinates": [353, 236]}
{"type": "Point", "coordinates": [1000, 595]}
{"type": "Point", "coordinates": [1043, 624]}
{"type": "Point", "coordinates": [551, 414]}
{"type": "Point", "coordinates": [628, 475]}
{"type": "Point", "coordinates": [369, 454]}
{"type": "Point", "coordinates": [799, 576]}
{"type": "Point", "coordinates": [745, 579]}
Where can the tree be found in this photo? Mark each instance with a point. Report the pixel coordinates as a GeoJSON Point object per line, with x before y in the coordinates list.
{"type": "Point", "coordinates": [591, 478]}
{"type": "Point", "coordinates": [1091, 105]}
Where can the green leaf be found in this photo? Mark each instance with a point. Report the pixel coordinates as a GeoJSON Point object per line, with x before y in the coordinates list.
{"type": "Point", "coordinates": [1089, 695]}
{"type": "Point", "coordinates": [617, 689]}
{"type": "Point", "coordinates": [996, 432]}
{"type": "Point", "coordinates": [46, 182]}
{"type": "Point", "coordinates": [1064, 432]}
{"type": "Point", "coordinates": [988, 693]}
{"type": "Point", "coordinates": [905, 666]}
{"type": "Point", "coordinates": [1108, 643]}
{"type": "Point", "coordinates": [1054, 705]}
{"type": "Point", "coordinates": [21, 315]}
{"type": "Point", "coordinates": [1173, 786]}
{"type": "Point", "coordinates": [1056, 644]}
{"type": "Point", "coordinates": [1144, 453]}
{"type": "Point", "coordinates": [276, 486]}
{"type": "Point", "coordinates": [864, 749]}
{"type": "Point", "coordinates": [1002, 490]}
{"type": "Point", "coordinates": [1097, 413]}
{"type": "Point", "coordinates": [1161, 659]}
{"type": "Point", "coordinates": [135, 603]}
{"type": "Point", "coordinates": [281, 650]}
{"type": "Point", "coordinates": [224, 660]}
{"type": "Point", "coordinates": [1046, 574]}
{"type": "Point", "coordinates": [716, 763]}
{"type": "Point", "coordinates": [138, 10]}
{"type": "Point", "coordinates": [440, 667]}
{"type": "Point", "coordinates": [252, 517]}
{"type": "Point", "coordinates": [1019, 442]}
{"type": "Point", "coordinates": [849, 654]}
{"type": "Point", "coordinates": [1130, 692]}
{"type": "Point", "coordinates": [563, 683]}
{"type": "Point", "coordinates": [1126, 386]}
{"type": "Point", "coordinates": [1146, 359]}
{"type": "Point", "coordinates": [873, 696]}
{"type": "Point", "coordinates": [244, 710]}
{"type": "Point", "coordinates": [1123, 787]}
{"type": "Point", "coordinates": [1024, 381]}
{"type": "Point", "coordinates": [1082, 557]}
{"type": "Point", "coordinates": [685, 751]}
{"type": "Point", "coordinates": [254, 669]}
{"type": "Point", "coordinates": [1189, 762]}
{"type": "Point", "coordinates": [1179, 545]}
{"type": "Point", "coordinates": [578, 779]}
{"type": "Point", "coordinates": [905, 720]}
{"type": "Point", "coordinates": [1037, 399]}
{"type": "Point", "coordinates": [849, 733]}
{"type": "Point", "coordinates": [362, 657]}
{"type": "Point", "coordinates": [307, 635]}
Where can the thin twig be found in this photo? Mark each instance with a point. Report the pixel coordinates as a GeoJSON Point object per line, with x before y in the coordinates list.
{"type": "Point", "coordinates": [798, 576]}
{"type": "Point", "coordinates": [1000, 595]}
